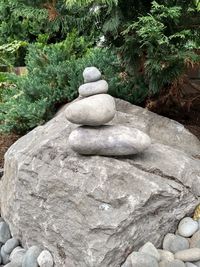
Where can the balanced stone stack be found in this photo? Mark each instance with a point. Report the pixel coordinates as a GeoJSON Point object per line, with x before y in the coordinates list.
{"type": "Point", "coordinates": [95, 109]}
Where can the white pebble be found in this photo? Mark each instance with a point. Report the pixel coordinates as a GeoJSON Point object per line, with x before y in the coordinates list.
{"type": "Point", "coordinates": [187, 227]}
{"type": "Point", "coordinates": [45, 259]}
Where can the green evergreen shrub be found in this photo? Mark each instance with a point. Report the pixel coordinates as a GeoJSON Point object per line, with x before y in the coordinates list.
{"type": "Point", "coordinates": [54, 75]}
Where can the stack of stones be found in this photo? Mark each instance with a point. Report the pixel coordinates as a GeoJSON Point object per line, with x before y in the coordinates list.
{"type": "Point", "coordinates": [181, 249]}
{"type": "Point", "coordinates": [92, 111]}
{"type": "Point", "coordinates": [13, 255]}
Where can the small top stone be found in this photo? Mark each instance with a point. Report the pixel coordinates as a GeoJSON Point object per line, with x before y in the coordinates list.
{"type": "Point", "coordinates": [91, 74]}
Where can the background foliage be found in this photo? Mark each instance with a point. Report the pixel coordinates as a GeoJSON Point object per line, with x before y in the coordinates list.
{"type": "Point", "coordinates": [147, 48]}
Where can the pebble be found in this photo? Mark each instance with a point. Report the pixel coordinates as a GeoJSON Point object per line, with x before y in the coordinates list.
{"type": "Point", "coordinates": [166, 255]}
{"type": "Point", "coordinates": [174, 263]}
{"type": "Point", "coordinates": [30, 258]}
{"type": "Point", "coordinates": [94, 88]}
{"type": "Point", "coordinates": [4, 232]}
{"type": "Point", "coordinates": [189, 264]}
{"type": "Point", "coordinates": [195, 240]}
{"type": "Point", "coordinates": [139, 259]}
{"type": "Point", "coordinates": [150, 249]}
{"type": "Point", "coordinates": [109, 140]}
{"type": "Point", "coordinates": [4, 256]}
{"type": "Point", "coordinates": [174, 243]}
{"type": "Point", "coordinates": [192, 254]}
{"type": "Point", "coordinates": [187, 227]}
{"type": "Point", "coordinates": [12, 264]}
{"type": "Point", "coordinates": [45, 259]}
{"type": "Point", "coordinates": [91, 74]}
{"type": "Point", "coordinates": [17, 256]}
{"type": "Point", "coordinates": [93, 111]}
{"type": "Point", "coordinates": [10, 245]}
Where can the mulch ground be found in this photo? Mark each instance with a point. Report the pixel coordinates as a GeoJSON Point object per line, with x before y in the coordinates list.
{"type": "Point", "coordinates": [6, 140]}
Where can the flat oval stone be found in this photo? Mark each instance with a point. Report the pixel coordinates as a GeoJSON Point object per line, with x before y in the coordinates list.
{"type": "Point", "coordinates": [150, 249]}
{"type": "Point", "coordinates": [17, 256]}
{"type": "Point", "coordinates": [30, 258]}
{"type": "Point", "coordinates": [195, 240]}
{"type": "Point", "coordinates": [94, 88]}
{"type": "Point", "coordinates": [4, 256]}
{"type": "Point", "coordinates": [187, 227]}
{"type": "Point", "coordinates": [192, 254]}
{"type": "Point", "coordinates": [197, 263]}
{"type": "Point", "coordinates": [139, 259]}
{"type": "Point", "coordinates": [108, 140]}
{"type": "Point", "coordinates": [10, 245]}
{"type": "Point", "coordinates": [189, 264]}
{"type": "Point", "coordinates": [93, 111]}
{"type": "Point", "coordinates": [166, 255]}
{"type": "Point", "coordinates": [91, 74]}
{"type": "Point", "coordinates": [174, 263]}
{"type": "Point", "coordinates": [4, 232]}
{"type": "Point", "coordinates": [174, 243]}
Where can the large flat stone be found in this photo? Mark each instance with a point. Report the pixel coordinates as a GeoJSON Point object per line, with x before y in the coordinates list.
{"type": "Point", "coordinates": [108, 140]}
{"type": "Point", "coordinates": [94, 211]}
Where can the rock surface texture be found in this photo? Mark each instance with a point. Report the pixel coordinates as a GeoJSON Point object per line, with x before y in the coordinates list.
{"type": "Point", "coordinates": [92, 211]}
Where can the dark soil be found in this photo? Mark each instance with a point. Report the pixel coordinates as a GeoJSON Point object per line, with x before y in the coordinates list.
{"type": "Point", "coordinates": [6, 140]}
{"type": "Point", "coordinates": [190, 119]}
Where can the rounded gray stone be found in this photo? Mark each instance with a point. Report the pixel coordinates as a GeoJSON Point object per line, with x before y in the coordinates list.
{"type": "Point", "coordinates": [30, 258]}
{"type": "Point", "coordinates": [4, 256]}
{"type": "Point", "coordinates": [190, 264]}
{"type": "Point", "coordinates": [45, 259]}
{"type": "Point", "coordinates": [91, 74]}
{"type": "Point", "coordinates": [10, 245]}
{"type": "Point", "coordinates": [174, 243]}
{"type": "Point", "coordinates": [197, 263]}
{"type": "Point", "coordinates": [109, 140]}
{"type": "Point", "coordinates": [187, 227]}
{"type": "Point", "coordinates": [150, 249]}
{"type": "Point", "coordinates": [93, 111]}
{"type": "Point", "coordinates": [4, 232]}
{"type": "Point", "coordinates": [192, 254]}
{"type": "Point", "coordinates": [94, 88]}
{"type": "Point", "coordinates": [166, 255]}
{"type": "Point", "coordinates": [17, 255]}
{"type": "Point", "coordinates": [195, 240]}
{"type": "Point", "coordinates": [174, 263]}
{"type": "Point", "coordinates": [139, 259]}
{"type": "Point", "coordinates": [12, 264]}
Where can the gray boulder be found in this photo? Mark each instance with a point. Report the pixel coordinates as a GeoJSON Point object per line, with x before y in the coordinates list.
{"type": "Point", "coordinates": [93, 211]}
